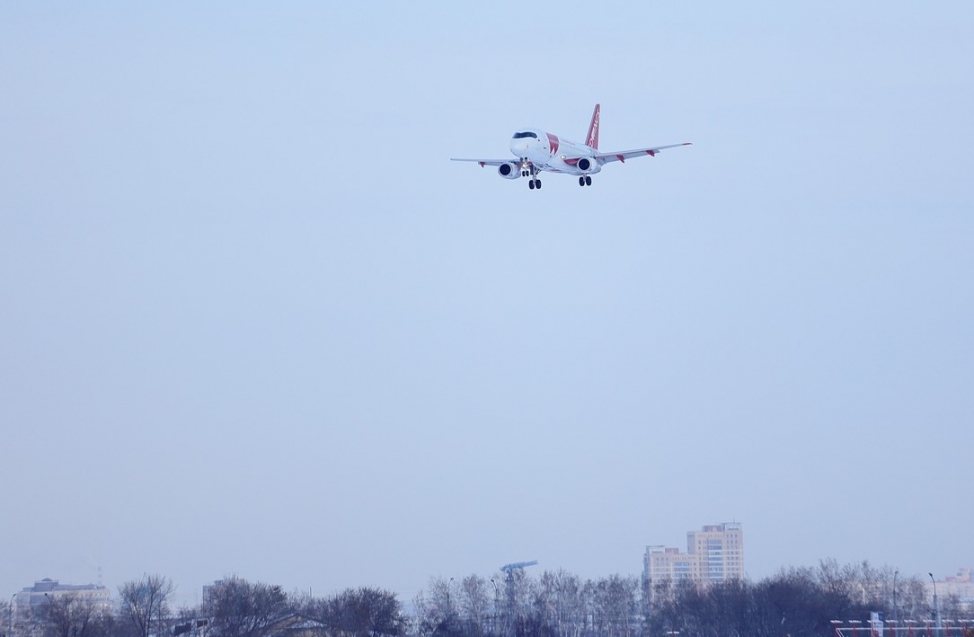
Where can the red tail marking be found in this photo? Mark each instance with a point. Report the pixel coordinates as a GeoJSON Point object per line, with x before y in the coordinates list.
{"type": "Point", "coordinates": [553, 143]}
{"type": "Point", "coordinates": [593, 129]}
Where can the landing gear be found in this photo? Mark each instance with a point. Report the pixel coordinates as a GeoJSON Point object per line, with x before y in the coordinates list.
{"type": "Point", "coordinates": [585, 181]}
{"type": "Point", "coordinates": [530, 171]}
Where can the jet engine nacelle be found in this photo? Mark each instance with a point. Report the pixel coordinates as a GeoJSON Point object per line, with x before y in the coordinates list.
{"type": "Point", "coordinates": [510, 170]}
{"type": "Point", "coordinates": [588, 165]}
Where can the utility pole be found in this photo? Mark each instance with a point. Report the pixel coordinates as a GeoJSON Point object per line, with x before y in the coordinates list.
{"type": "Point", "coordinates": [936, 602]}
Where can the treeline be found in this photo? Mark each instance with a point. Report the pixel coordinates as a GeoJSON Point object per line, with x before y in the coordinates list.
{"type": "Point", "coordinates": [795, 602]}
{"type": "Point", "coordinates": [233, 607]}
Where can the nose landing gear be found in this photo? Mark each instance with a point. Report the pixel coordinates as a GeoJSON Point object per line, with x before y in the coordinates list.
{"type": "Point", "coordinates": [585, 181]}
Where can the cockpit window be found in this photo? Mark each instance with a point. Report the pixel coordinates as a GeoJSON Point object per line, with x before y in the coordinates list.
{"type": "Point", "coordinates": [523, 135]}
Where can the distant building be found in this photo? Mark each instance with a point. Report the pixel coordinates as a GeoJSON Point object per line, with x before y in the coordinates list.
{"type": "Point", "coordinates": [209, 590]}
{"type": "Point", "coordinates": [721, 551]}
{"type": "Point", "coordinates": [714, 554]}
{"type": "Point", "coordinates": [30, 600]}
{"type": "Point", "coordinates": [661, 563]}
{"type": "Point", "coordinates": [960, 586]}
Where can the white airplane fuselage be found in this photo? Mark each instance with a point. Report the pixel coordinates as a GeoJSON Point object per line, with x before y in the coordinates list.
{"type": "Point", "coordinates": [537, 151]}
{"type": "Point", "coordinates": [549, 152]}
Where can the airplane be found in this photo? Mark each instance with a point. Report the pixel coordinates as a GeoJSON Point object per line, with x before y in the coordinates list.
{"type": "Point", "coordinates": [537, 151]}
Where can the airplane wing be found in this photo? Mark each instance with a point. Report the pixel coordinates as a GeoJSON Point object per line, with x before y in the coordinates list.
{"type": "Point", "coordinates": [489, 162]}
{"type": "Point", "coordinates": [623, 155]}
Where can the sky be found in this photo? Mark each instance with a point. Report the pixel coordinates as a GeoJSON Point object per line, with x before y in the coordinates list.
{"type": "Point", "coordinates": [253, 321]}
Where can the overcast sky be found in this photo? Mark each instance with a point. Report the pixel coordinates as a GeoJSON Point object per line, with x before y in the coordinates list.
{"type": "Point", "coordinates": [254, 321]}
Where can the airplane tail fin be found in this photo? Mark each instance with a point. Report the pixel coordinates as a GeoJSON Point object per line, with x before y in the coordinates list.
{"type": "Point", "coordinates": [593, 130]}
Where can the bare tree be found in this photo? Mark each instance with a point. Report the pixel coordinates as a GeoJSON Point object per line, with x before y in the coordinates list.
{"type": "Point", "coordinates": [437, 608]}
{"type": "Point", "coordinates": [144, 605]}
{"type": "Point", "coordinates": [474, 603]}
{"type": "Point", "coordinates": [360, 612]}
{"type": "Point", "coordinates": [6, 616]}
{"type": "Point", "coordinates": [69, 615]}
{"type": "Point", "coordinates": [559, 598]}
{"type": "Point", "coordinates": [912, 599]}
{"type": "Point", "coordinates": [518, 591]}
{"type": "Point", "coordinates": [238, 608]}
{"type": "Point", "coordinates": [619, 600]}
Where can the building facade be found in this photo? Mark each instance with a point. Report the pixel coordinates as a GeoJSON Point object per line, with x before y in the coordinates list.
{"type": "Point", "coordinates": [960, 586]}
{"type": "Point", "coordinates": [29, 601]}
{"type": "Point", "coordinates": [714, 554]}
{"type": "Point", "coordinates": [720, 548]}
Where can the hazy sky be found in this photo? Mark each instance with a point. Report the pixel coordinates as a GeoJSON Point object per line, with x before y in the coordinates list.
{"type": "Point", "coordinates": [254, 321]}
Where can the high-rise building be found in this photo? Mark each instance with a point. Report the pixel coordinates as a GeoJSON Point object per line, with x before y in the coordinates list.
{"type": "Point", "coordinates": [714, 554]}
{"type": "Point", "coordinates": [720, 548]}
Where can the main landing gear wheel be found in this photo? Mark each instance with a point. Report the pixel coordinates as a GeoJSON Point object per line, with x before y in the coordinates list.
{"type": "Point", "coordinates": [531, 184]}
{"type": "Point", "coordinates": [534, 183]}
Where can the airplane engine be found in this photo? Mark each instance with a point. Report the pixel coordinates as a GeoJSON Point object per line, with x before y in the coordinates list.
{"type": "Point", "coordinates": [587, 165]}
{"type": "Point", "coordinates": [510, 170]}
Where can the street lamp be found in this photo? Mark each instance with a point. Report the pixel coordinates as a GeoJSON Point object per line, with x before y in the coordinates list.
{"type": "Point", "coordinates": [497, 603]}
{"type": "Point", "coordinates": [11, 609]}
{"type": "Point", "coordinates": [896, 617]}
{"type": "Point", "coordinates": [936, 602]}
{"type": "Point", "coordinates": [449, 602]}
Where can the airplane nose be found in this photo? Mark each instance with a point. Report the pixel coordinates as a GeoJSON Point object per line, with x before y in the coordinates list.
{"type": "Point", "coordinates": [519, 147]}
